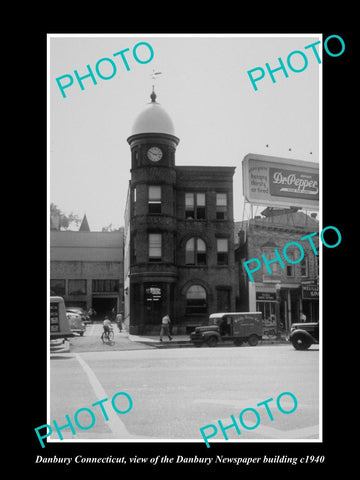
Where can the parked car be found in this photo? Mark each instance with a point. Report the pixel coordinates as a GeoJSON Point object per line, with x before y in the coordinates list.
{"type": "Point", "coordinates": [84, 316]}
{"type": "Point", "coordinates": [59, 323]}
{"type": "Point", "coordinates": [303, 335]}
{"type": "Point", "coordinates": [76, 323]}
{"type": "Point", "coordinates": [238, 327]}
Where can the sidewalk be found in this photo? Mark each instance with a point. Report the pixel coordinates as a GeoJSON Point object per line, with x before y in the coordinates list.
{"type": "Point", "coordinates": [179, 341]}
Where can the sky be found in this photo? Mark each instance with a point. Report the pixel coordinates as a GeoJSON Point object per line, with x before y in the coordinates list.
{"type": "Point", "coordinates": [203, 86]}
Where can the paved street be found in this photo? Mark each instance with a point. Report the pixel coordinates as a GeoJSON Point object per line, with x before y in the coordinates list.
{"type": "Point", "coordinates": [91, 341]}
{"type": "Point", "coordinates": [177, 391]}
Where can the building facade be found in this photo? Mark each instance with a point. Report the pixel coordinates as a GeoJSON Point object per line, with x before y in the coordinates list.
{"type": "Point", "coordinates": [294, 288]}
{"type": "Point", "coordinates": [86, 269]}
{"type": "Point", "coordinates": [179, 232]}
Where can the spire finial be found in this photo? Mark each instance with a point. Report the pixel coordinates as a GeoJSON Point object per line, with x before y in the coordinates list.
{"type": "Point", "coordinates": [153, 95]}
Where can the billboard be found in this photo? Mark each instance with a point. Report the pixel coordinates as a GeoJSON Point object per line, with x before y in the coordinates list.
{"type": "Point", "coordinates": [280, 182]}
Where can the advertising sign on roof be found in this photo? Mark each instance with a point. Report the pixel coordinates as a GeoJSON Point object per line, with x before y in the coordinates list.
{"type": "Point", "coordinates": [280, 182]}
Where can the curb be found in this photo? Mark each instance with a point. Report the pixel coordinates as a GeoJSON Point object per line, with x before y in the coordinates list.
{"type": "Point", "coordinates": [190, 344]}
{"type": "Point", "coordinates": [169, 344]}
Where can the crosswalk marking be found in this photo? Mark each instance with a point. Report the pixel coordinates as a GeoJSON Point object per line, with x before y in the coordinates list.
{"type": "Point", "coordinates": [115, 424]}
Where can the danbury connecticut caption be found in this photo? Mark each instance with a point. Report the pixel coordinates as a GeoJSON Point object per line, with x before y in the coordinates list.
{"type": "Point", "coordinates": [180, 459]}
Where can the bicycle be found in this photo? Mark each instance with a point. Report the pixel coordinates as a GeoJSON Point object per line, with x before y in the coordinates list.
{"type": "Point", "coordinates": [108, 336]}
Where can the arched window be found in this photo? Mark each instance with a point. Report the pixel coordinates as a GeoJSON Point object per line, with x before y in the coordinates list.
{"type": "Point", "coordinates": [196, 301]}
{"type": "Point", "coordinates": [195, 252]}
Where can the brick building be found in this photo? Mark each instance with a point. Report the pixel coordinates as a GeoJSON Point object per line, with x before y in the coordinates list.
{"type": "Point", "coordinates": [86, 268]}
{"type": "Point", "coordinates": [179, 232]}
{"type": "Point", "coordinates": [297, 283]}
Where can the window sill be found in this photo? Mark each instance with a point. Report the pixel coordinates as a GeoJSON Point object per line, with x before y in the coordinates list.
{"type": "Point", "coordinates": [189, 265]}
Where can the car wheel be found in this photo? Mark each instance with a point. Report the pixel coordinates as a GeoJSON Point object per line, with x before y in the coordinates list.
{"type": "Point", "coordinates": [253, 340]}
{"type": "Point", "coordinates": [300, 342]}
{"type": "Point", "coordinates": [212, 341]}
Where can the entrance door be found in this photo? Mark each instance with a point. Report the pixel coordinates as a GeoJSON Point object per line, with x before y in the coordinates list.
{"type": "Point", "coordinates": [154, 301]}
{"type": "Point", "coordinates": [223, 300]}
{"type": "Point", "coordinates": [104, 306]}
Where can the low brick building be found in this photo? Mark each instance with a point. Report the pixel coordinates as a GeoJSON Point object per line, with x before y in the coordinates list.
{"type": "Point", "coordinates": [296, 286]}
{"type": "Point", "coordinates": [86, 269]}
{"type": "Point", "coordinates": [179, 232]}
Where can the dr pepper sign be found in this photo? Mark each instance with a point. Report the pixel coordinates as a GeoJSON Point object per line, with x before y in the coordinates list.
{"type": "Point", "coordinates": [280, 182]}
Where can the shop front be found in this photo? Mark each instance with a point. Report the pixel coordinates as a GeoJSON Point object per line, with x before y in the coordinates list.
{"type": "Point", "coordinates": [283, 304]}
{"type": "Point", "coordinates": [266, 304]}
{"type": "Point", "coordinates": [310, 301]}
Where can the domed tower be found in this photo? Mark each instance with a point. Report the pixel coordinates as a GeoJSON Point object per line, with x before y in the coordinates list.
{"type": "Point", "coordinates": [153, 271]}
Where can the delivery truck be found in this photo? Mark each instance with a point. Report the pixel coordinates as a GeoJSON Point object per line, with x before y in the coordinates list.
{"type": "Point", "coordinates": [236, 327]}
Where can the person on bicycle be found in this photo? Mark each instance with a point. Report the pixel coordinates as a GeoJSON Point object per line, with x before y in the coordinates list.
{"type": "Point", "coordinates": [107, 324]}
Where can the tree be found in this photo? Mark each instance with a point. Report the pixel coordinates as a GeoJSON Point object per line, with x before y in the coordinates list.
{"type": "Point", "coordinates": [110, 228]}
{"type": "Point", "coordinates": [65, 220]}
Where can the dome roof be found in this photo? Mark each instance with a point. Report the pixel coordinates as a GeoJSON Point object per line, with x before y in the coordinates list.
{"type": "Point", "coordinates": [153, 119]}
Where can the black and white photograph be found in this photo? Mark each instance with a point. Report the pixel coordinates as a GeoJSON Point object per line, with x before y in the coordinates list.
{"type": "Point", "coordinates": [187, 239]}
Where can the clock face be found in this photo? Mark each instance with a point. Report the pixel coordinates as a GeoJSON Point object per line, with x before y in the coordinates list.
{"type": "Point", "coordinates": [154, 154]}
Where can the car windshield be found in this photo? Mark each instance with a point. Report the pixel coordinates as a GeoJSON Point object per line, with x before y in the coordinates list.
{"type": "Point", "coordinates": [215, 321]}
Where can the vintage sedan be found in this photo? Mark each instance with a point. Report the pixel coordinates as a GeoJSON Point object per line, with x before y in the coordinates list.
{"type": "Point", "coordinates": [75, 322]}
{"type": "Point", "coordinates": [303, 335]}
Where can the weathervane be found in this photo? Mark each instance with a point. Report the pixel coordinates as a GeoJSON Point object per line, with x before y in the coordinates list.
{"type": "Point", "coordinates": [154, 77]}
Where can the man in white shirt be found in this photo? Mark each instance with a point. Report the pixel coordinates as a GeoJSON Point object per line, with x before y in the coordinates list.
{"type": "Point", "coordinates": [165, 327]}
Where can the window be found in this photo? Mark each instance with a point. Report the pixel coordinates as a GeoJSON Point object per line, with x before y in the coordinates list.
{"type": "Point", "coordinates": [154, 199]}
{"type": "Point", "coordinates": [133, 201]}
{"type": "Point", "coordinates": [195, 206]}
{"type": "Point", "coordinates": [154, 247]}
{"type": "Point", "coordinates": [195, 252]}
{"type": "Point", "coordinates": [275, 266]}
{"type": "Point", "coordinates": [77, 287]}
{"type": "Point", "coordinates": [102, 286]}
{"type": "Point", "coordinates": [196, 300]}
{"type": "Point", "coordinates": [268, 314]}
{"type": "Point", "coordinates": [221, 206]}
{"type": "Point", "coordinates": [304, 267]}
{"type": "Point", "coordinates": [133, 249]}
{"type": "Point", "coordinates": [290, 268]}
{"type": "Point", "coordinates": [57, 287]}
{"type": "Point", "coordinates": [222, 251]}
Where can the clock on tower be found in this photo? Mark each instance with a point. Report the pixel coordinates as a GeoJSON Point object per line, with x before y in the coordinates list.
{"type": "Point", "coordinates": [154, 154]}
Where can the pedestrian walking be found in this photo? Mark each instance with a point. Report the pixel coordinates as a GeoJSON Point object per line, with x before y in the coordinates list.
{"type": "Point", "coordinates": [165, 327]}
{"type": "Point", "coordinates": [119, 321]}
{"type": "Point", "coordinates": [91, 314]}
